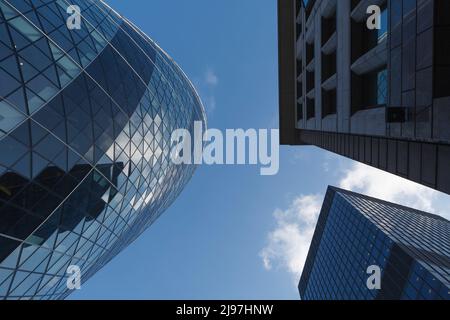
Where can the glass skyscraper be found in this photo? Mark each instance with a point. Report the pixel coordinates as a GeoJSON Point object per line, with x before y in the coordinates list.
{"type": "Point", "coordinates": [354, 232]}
{"type": "Point", "coordinates": [86, 117]}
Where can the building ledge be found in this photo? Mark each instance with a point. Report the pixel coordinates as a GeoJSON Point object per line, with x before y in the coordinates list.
{"type": "Point", "coordinates": [311, 94]}
{"type": "Point", "coordinates": [331, 44]}
{"type": "Point", "coordinates": [328, 8]}
{"type": "Point", "coordinates": [310, 34]}
{"type": "Point", "coordinates": [330, 83]}
{"type": "Point", "coordinates": [311, 65]}
{"type": "Point", "coordinates": [299, 47]}
{"type": "Point", "coordinates": [372, 60]}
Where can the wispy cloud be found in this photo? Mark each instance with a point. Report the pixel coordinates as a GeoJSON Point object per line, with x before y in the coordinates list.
{"type": "Point", "coordinates": [210, 103]}
{"type": "Point", "coordinates": [211, 78]}
{"type": "Point", "coordinates": [288, 243]}
{"type": "Point", "coordinates": [207, 85]}
{"type": "Point", "coordinates": [383, 185]}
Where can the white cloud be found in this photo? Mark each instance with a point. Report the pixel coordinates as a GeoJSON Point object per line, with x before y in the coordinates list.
{"type": "Point", "coordinates": [382, 185]}
{"type": "Point", "coordinates": [210, 103]}
{"type": "Point", "coordinates": [206, 86]}
{"type": "Point", "coordinates": [288, 243]}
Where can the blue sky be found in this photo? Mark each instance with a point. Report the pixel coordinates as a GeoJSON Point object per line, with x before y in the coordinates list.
{"type": "Point", "coordinates": [233, 234]}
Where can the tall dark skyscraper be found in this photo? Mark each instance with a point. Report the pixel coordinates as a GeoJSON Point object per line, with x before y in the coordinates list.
{"type": "Point", "coordinates": [86, 117]}
{"type": "Point", "coordinates": [378, 96]}
{"type": "Point", "coordinates": [355, 232]}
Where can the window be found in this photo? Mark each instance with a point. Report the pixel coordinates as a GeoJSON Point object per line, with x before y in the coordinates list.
{"type": "Point", "coordinates": [382, 32]}
{"type": "Point", "coordinates": [382, 87]}
{"type": "Point", "coordinates": [369, 90]}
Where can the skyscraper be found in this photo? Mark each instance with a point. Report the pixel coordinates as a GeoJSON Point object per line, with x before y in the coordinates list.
{"type": "Point", "coordinates": [356, 232]}
{"type": "Point", "coordinates": [379, 96]}
{"type": "Point", "coordinates": [86, 116]}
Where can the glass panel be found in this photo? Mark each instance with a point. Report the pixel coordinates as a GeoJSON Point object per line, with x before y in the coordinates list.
{"type": "Point", "coordinates": [9, 117]}
{"type": "Point", "coordinates": [382, 87]}
{"type": "Point", "coordinates": [26, 28]}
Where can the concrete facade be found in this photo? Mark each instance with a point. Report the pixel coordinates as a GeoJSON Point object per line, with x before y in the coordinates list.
{"type": "Point", "coordinates": [380, 97]}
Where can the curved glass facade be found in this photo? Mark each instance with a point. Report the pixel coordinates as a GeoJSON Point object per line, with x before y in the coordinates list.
{"type": "Point", "coordinates": [85, 124]}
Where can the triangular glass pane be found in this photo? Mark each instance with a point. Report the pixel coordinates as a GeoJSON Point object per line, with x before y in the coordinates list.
{"type": "Point", "coordinates": [39, 164]}
{"type": "Point", "coordinates": [30, 292]}
{"type": "Point", "coordinates": [17, 99]}
{"type": "Point", "coordinates": [23, 167]}
{"type": "Point", "coordinates": [34, 101]}
{"type": "Point", "coordinates": [9, 116]}
{"type": "Point", "coordinates": [8, 83]}
{"type": "Point", "coordinates": [10, 66]}
{"type": "Point", "coordinates": [5, 273]}
{"type": "Point", "coordinates": [26, 28]}
{"type": "Point", "coordinates": [35, 260]}
{"type": "Point", "coordinates": [5, 285]}
{"type": "Point", "coordinates": [19, 277]}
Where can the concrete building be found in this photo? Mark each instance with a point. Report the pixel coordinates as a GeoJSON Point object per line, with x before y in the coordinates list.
{"type": "Point", "coordinates": [377, 96]}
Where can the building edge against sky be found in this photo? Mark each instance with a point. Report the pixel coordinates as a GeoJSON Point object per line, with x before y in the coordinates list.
{"type": "Point", "coordinates": [84, 154]}
{"type": "Point", "coordinates": [380, 97]}
{"type": "Point", "coordinates": [354, 232]}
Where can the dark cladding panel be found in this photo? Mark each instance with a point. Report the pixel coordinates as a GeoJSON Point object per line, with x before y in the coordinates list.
{"type": "Point", "coordinates": [416, 161]}
{"type": "Point", "coordinates": [287, 71]}
{"type": "Point", "coordinates": [429, 158]}
{"type": "Point", "coordinates": [443, 172]}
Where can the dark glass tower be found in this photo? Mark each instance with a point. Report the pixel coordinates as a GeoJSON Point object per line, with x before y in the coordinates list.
{"type": "Point", "coordinates": [86, 117]}
{"type": "Point", "coordinates": [354, 232]}
{"type": "Point", "coordinates": [380, 97]}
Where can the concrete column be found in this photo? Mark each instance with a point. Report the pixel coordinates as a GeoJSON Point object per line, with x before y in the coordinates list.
{"type": "Point", "coordinates": [343, 29]}
{"type": "Point", "coordinates": [318, 66]}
